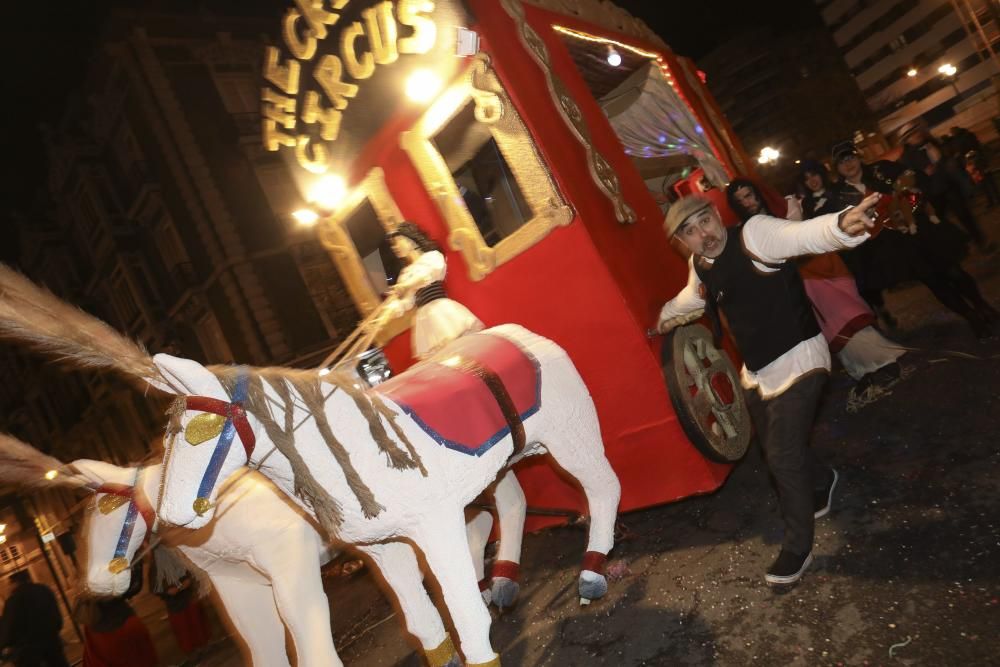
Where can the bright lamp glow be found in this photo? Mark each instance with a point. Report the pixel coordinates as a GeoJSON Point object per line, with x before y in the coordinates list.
{"type": "Point", "coordinates": [768, 155]}
{"type": "Point", "coordinates": [912, 72]}
{"type": "Point", "coordinates": [948, 69]}
{"type": "Point", "coordinates": [423, 85]}
{"type": "Point", "coordinates": [614, 58]}
{"type": "Point", "coordinates": [328, 192]}
{"type": "Point", "coordinates": [3, 538]}
{"type": "Point", "coordinates": [51, 475]}
{"type": "Point", "coordinates": [306, 216]}
{"type": "Point", "coordinates": [3, 527]}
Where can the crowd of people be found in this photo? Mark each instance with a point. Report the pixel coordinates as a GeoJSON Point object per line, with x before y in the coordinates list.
{"type": "Point", "coordinates": [113, 634]}
{"type": "Point", "coordinates": [801, 277]}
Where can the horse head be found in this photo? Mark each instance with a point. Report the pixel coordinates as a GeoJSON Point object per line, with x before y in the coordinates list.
{"type": "Point", "coordinates": [209, 436]}
{"type": "Point", "coordinates": [118, 524]}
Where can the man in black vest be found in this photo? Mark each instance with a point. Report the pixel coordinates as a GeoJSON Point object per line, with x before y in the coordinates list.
{"type": "Point", "coordinates": [744, 272]}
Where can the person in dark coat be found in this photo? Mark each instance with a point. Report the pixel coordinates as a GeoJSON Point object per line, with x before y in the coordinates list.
{"type": "Point", "coordinates": [29, 628]}
{"type": "Point", "coordinates": [944, 174]}
{"type": "Point", "coordinates": [932, 255]}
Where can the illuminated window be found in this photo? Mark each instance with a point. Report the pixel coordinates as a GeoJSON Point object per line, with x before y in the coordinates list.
{"type": "Point", "coordinates": [477, 158]}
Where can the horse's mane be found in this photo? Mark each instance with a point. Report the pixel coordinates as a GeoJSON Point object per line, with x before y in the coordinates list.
{"type": "Point", "coordinates": [23, 466]}
{"type": "Point", "coordinates": [33, 315]}
{"type": "Point", "coordinates": [308, 385]}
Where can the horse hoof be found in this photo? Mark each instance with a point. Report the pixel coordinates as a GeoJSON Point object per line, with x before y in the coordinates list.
{"type": "Point", "coordinates": [592, 585]}
{"type": "Point", "coordinates": [504, 592]}
{"type": "Point", "coordinates": [444, 655]}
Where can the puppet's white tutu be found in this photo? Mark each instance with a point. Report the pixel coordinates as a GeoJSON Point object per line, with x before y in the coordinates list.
{"type": "Point", "coordinates": [438, 323]}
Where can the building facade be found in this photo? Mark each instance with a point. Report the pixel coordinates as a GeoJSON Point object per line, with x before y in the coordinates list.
{"type": "Point", "coordinates": [790, 92]}
{"type": "Point", "coordinates": [163, 215]}
{"type": "Point", "coordinates": [899, 52]}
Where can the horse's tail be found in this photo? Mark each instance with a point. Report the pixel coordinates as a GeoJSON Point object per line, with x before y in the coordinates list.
{"type": "Point", "coordinates": [23, 466]}
{"type": "Point", "coordinates": [33, 315]}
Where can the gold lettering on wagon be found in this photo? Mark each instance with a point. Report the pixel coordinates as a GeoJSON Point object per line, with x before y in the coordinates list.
{"type": "Point", "coordinates": [363, 45]}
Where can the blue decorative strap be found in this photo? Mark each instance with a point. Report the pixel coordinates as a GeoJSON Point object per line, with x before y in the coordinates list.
{"type": "Point", "coordinates": [225, 441]}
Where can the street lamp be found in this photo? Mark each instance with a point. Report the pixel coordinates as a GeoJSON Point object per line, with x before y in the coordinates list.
{"type": "Point", "coordinates": [950, 74]}
{"type": "Point", "coordinates": [768, 155]}
{"type": "Point", "coordinates": [328, 192]}
{"type": "Point", "coordinates": [423, 85]}
{"type": "Point", "coordinates": [614, 58]}
{"type": "Point", "coordinates": [948, 69]}
{"type": "Point", "coordinates": [306, 217]}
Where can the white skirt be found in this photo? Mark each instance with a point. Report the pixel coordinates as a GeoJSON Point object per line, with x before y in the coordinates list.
{"type": "Point", "coordinates": [438, 323]}
{"type": "Point", "coordinates": [868, 351]}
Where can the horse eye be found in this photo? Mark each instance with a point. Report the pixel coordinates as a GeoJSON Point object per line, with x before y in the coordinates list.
{"type": "Point", "coordinates": [204, 427]}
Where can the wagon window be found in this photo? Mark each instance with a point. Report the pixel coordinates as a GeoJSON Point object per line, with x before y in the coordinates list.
{"type": "Point", "coordinates": [490, 183]}
{"type": "Point", "coordinates": [370, 238]}
{"type": "Point", "coordinates": [485, 181]}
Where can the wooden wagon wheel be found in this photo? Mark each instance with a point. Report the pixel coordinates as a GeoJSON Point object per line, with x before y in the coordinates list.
{"type": "Point", "coordinates": [705, 391]}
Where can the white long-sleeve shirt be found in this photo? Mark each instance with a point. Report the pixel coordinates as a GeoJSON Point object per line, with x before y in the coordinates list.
{"type": "Point", "coordinates": [772, 241]}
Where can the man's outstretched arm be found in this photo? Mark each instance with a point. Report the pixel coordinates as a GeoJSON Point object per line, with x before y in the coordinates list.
{"type": "Point", "coordinates": [773, 240]}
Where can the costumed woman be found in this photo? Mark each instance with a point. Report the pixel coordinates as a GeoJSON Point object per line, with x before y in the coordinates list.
{"type": "Point", "coordinates": [438, 321]}
{"type": "Point", "coordinates": [844, 317]}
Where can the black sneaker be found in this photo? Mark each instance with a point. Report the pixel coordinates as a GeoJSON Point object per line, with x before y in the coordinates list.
{"type": "Point", "coordinates": [788, 568]}
{"type": "Point", "coordinates": [887, 375]}
{"type": "Point", "coordinates": [823, 499]}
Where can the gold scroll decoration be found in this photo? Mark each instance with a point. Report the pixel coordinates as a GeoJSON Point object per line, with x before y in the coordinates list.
{"type": "Point", "coordinates": [493, 117]}
{"type": "Point", "coordinates": [600, 170]}
{"type": "Point", "coordinates": [603, 13]}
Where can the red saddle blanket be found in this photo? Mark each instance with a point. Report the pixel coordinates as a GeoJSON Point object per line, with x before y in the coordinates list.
{"type": "Point", "coordinates": [456, 407]}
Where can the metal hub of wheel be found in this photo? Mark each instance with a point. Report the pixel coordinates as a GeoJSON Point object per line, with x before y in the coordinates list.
{"type": "Point", "coordinates": [705, 391]}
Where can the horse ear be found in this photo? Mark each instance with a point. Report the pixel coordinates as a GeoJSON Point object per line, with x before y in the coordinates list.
{"type": "Point", "coordinates": [183, 377]}
{"type": "Point", "coordinates": [99, 472]}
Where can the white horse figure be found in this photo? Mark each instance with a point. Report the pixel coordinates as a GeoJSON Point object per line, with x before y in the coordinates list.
{"type": "Point", "coordinates": [248, 569]}
{"type": "Point", "coordinates": [264, 577]}
{"type": "Point", "coordinates": [328, 444]}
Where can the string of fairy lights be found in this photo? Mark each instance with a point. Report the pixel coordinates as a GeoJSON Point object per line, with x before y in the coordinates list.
{"type": "Point", "coordinates": [614, 59]}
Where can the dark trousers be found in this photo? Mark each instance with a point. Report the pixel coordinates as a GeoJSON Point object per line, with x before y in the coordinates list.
{"type": "Point", "coordinates": [783, 425]}
{"type": "Point", "coordinates": [953, 202]}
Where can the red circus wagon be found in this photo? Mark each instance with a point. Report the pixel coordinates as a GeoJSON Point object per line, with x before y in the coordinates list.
{"type": "Point", "coordinates": [539, 143]}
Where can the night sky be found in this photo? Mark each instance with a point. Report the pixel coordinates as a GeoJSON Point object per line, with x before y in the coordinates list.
{"type": "Point", "coordinates": [49, 44]}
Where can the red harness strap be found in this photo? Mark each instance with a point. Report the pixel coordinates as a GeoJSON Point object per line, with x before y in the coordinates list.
{"type": "Point", "coordinates": [232, 411]}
